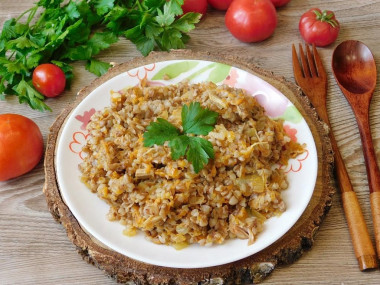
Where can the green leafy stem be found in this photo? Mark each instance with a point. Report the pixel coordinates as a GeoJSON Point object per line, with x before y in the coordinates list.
{"type": "Point", "coordinates": [61, 32]}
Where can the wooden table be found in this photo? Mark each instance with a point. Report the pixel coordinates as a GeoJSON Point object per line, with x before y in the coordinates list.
{"type": "Point", "coordinates": [34, 249]}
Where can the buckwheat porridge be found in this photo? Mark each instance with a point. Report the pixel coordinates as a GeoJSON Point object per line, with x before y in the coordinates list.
{"type": "Point", "coordinates": [147, 190]}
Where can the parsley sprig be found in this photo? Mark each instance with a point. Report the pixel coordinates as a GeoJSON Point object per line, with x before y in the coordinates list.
{"type": "Point", "coordinates": [61, 31]}
{"type": "Point", "coordinates": [195, 121]}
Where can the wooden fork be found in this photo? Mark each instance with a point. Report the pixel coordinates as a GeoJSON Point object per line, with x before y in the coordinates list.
{"type": "Point", "coordinates": [312, 79]}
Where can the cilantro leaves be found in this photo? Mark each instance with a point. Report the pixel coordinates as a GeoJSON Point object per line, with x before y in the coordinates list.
{"type": "Point", "coordinates": [65, 31]}
{"type": "Point", "coordinates": [195, 121]}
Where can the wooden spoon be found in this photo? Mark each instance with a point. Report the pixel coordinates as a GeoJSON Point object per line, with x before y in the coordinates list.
{"type": "Point", "coordinates": [355, 72]}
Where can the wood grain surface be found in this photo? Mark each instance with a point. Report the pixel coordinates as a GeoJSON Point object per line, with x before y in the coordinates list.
{"type": "Point", "coordinates": [34, 249]}
{"type": "Point", "coordinates": [254, 268]}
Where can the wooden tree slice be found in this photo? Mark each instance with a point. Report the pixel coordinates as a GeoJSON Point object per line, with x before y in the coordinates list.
{"type": "Point", "coordinates": [249, 270]}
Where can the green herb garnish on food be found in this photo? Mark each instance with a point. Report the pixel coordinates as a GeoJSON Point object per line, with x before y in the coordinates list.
{"type": "Point", "coordinates": [61, 31]}
{"type": "Point", "coordinates": [195, 121]}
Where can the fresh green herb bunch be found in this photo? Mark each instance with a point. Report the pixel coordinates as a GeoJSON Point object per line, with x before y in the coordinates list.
{"type": "Point", "coordinates": [195, 121]}
{"type": "Point", "coordinates": [61, 32]}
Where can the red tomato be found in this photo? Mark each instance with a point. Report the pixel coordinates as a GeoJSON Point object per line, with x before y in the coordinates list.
{"type": "Point", "coordinates": [319, 28]}
{"type": "Point", "coordinates": [21, 145]}
{"type": "Point", "coordinates": [280, 3]}
{"type": "Point", "coordinates": [49, 79]}
{"type": "Point", "coordinates": [251, 20]}
{"type": "Point", "coordinates": [220, 4]}
{"type": "Point", "coordinates": [197, 6]}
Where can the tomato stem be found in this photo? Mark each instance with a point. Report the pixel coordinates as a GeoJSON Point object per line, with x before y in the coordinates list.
{"type": "Point", "coordinates": [327, 17]}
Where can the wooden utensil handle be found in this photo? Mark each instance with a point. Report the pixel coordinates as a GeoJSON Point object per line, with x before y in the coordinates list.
{"type": "Point", "coordinates": [375, 206]}
{"type": "Point", "coordinates": [361, 240]}
{"type": "Point", "coordinates": [373, 174]}
{"type": "Point", "coordinates": [373, 171]}
{"type": "Point", "coordinates": [364, 251]}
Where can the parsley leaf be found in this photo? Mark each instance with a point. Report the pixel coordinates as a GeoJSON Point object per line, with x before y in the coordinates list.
{"type": "Point", "coordinates": [98, 42]}
{"type": "Point", "coordinates": [97, 67]}
{"type": "Point", "coordinates": [49, 3]}
{"type": "Point", "coordinates": [22, 42]}
{"type": "Point", "coordinates": [178, 146]}
{"type": "Point", "coordinates": [196, 121]}
{"type": "Point", "coordinates": [167, 17]}
{"type": "Point", "coordinates": [199, 152]}
{"type": "Point", "coordinates": [64, 31]}
{"type": "Point", "coordinates": [176, 7]}
{"type": "Point", "coordinates": [29, 95]}
{"type": "Point", "coordinates": [103, 6]}
{"type": "Point", "coordinates": [9, 31]}
{"type": "Point", "coordinates": [72, 11]}
{"type": "Point", "coordinates": [161, 29]}
{"type": "Point", "coordinates": [101, 41]}
{"type": "Point", "coordinates": [159, 132]}
{"type": "Point", "coordinates": [153, 4]}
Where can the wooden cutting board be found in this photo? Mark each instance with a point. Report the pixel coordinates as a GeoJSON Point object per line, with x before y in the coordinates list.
{"type": "Point", "coordinates": [246, 271]}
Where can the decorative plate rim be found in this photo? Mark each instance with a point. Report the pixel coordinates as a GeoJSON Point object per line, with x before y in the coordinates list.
{"type": "Point", "coordinates": [177, 254]}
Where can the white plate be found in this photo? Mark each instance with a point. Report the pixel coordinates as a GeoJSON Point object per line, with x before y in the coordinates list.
{"type": "Point", "coordinates": [90, 211]}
